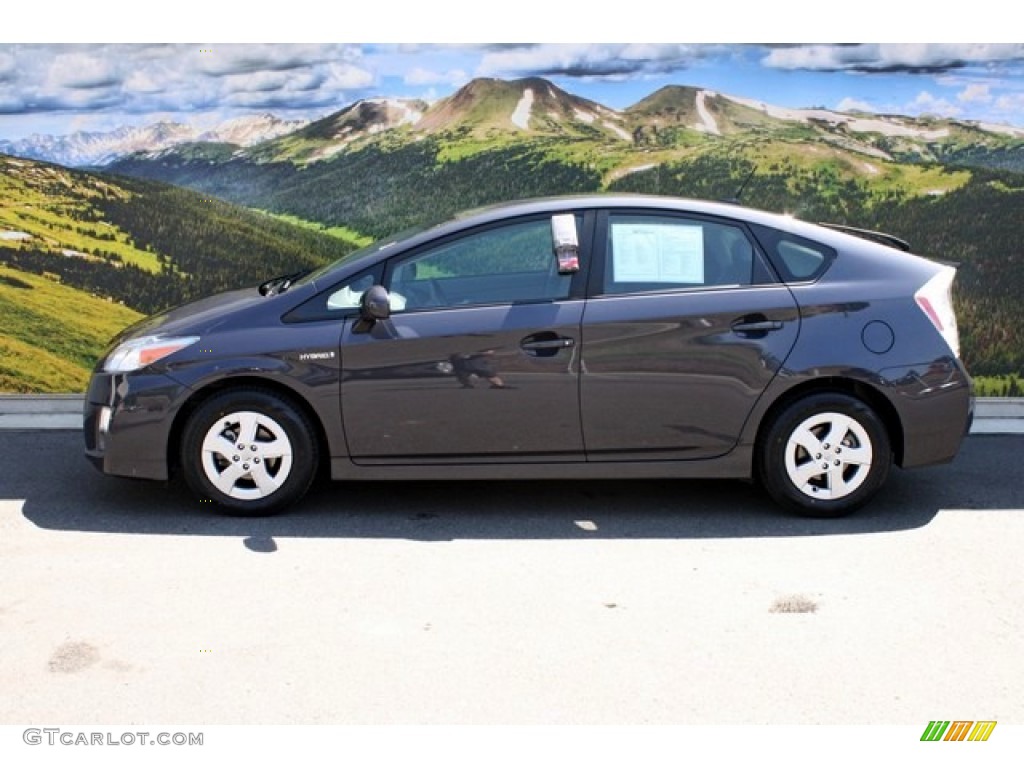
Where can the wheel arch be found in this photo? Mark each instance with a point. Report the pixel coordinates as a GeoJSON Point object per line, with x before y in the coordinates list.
{"type": "Point", "coordinates": [213, 388]}
{"type": "Point", "coordinates": [867, 394]}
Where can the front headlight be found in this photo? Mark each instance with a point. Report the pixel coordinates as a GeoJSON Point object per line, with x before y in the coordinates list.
{"type": "Point", "coordinates": [138, 353]}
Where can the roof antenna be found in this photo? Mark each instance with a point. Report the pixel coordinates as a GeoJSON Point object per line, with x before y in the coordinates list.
{"type": "Point", "coordinates": [735, 199]}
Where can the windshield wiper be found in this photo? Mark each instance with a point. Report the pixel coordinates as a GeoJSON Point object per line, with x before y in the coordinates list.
{"type": "Point", "coordinates": [280, 284]}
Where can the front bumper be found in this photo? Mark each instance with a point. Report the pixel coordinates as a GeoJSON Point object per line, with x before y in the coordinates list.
{"type": "Point", "coordinates": [127, 421]}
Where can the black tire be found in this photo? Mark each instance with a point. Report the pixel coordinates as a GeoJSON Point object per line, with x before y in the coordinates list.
{"type": "Point", "coordinates": [825, 455]}
{"type": "Point", "coordinates": [260, 452]}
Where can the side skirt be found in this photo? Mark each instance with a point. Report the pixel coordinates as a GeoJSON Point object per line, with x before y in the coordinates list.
{"type": "Point", "coordinates": [734, 465]}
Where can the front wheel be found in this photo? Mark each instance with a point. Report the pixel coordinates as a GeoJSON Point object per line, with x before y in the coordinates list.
{"type": "Point", "coordinates": [825, 455]}
{"type": "Point", "coordinates": [250, 451]}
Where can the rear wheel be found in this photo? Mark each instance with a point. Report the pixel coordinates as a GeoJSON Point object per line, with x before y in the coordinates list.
{"type": "Point", "coordinates": [250, 451]}
{"type": "Point", "coordinates": [825, 455]}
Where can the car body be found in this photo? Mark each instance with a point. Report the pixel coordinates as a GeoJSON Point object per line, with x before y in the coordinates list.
{"type": "Point", "coordinates": [581, 337]}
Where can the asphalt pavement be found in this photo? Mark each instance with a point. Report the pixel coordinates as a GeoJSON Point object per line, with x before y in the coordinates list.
{"type": "Point", "coordinates": [693, 602]}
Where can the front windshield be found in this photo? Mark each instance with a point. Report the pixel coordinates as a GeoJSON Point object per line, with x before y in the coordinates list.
{"type": "Point", "coordinates": [380, 245]}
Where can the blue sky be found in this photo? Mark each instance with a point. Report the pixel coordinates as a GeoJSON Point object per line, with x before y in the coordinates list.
{"type": "Point", "coordinates": [62, 88]}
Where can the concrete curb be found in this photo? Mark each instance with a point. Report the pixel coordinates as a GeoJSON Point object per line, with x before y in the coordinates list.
{"type": "Point", "coordinates": [41, 411]}
{"type": "Point", "coordinates": [998, 416]}
{"type": "Point", "coordinates": [992, 416]}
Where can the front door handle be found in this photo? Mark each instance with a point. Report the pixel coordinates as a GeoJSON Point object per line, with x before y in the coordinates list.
{"type": "Point", "coordinates": [546, 344]}
{"type": "Point", "coordinates": [560, 343]}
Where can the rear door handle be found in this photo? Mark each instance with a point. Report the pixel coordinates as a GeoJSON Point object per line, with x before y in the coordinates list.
{"type": "Point", "coordinates": [757, 325]}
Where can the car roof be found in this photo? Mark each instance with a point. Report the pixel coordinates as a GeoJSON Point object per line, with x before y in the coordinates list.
{"type": "Point", "coordinates": [500, 211]}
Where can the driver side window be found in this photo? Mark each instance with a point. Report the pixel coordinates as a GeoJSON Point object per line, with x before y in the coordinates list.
{"type": "Point", "coordinates": [500, 265]}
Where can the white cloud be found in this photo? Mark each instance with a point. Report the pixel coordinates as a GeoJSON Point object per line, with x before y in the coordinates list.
{"type": "Point", "coordinates": [422, 76]}
{"type": "Point", "coordinates": [80, 70]}
{"type": "Point", "coordinates": [976, 93]}
{"type": "Point", "coordinates": [927, 104]}
{"type": "Point", "coordinates": [850, 104]}
{"type": "Point", "coordinates": [343, 75]}
{"type": "Point", "coordinates": [143, 82]}
{"type": "Point", "coordinates": [247, 59]}
{"type": "Point", "coordinates": [6, 66]}
{"type": "Point", "coordinates": [891, 57]}
{"type": "Point", "coordinates": [1012, 104]}
{"type": "Point", "coordinates": [142, 79]}
{"type": "Point", "coordinates": [586, 60]}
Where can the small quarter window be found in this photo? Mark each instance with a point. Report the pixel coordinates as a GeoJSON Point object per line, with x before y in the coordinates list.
{"type": "Point", "coordinates": [801, 260]}
{"type": "Point", "coordinates": [342, 299]}
{"type": "Point", "coordinates": [795, 258]}
{"type": "Point", "coordinates": [349, 294]}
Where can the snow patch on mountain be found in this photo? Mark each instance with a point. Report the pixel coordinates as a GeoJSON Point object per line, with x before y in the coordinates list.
{"type": "Point", "coordinates": [707, 120]}
{"type": "Point", "coordinates": [521, 114]}
{"type": "Point", "coordinates": [1008, 130]}
{"type": "Point", "coordinates": [407, 115]}
{"type": "Point", "coordinates": [619, 173]}
{"type": "Point", "coordinates": [253, 129]}
{"type": "Point", "coordinates": [619, 131]}
{"type": "Point", "coordinates": [328, 151]}
{"type": "Point", "coordinates": [855, 123]}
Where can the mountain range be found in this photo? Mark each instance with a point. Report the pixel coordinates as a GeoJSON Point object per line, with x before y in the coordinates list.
{"type": "Point", "coordinates": [99, 148]}
{"type": "Point", "coordinates": [488, 108]}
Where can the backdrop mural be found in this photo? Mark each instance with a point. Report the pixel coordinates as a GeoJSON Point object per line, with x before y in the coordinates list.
{"type": "Point", "coordinates": [135, 177]}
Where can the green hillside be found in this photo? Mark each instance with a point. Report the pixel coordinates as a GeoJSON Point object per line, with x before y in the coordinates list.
{"type": "Point", "coordinates": [61, 210]}
{"type": "Point", "coordinates": [52, 333]}
{"type": "Point", "coordinates": [145, 244]}
{"type": "Point", "coordinates": [83, 255]}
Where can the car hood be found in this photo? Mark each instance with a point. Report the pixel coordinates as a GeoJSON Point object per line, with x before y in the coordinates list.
{"type": "Point", "coordinates": [197, 317]}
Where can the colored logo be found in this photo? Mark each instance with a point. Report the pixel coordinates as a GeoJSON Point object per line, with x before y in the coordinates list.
{"type": "Point", "coordinates": [958, 730]}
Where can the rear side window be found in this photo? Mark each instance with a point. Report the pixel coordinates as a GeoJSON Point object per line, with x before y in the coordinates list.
{"type": "Point", "coordinates": [655, 253]}
{"type": "Point", "coordinates": [796, 259]}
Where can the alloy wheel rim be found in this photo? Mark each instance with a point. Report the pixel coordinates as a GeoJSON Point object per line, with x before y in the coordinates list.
{"type": "Point", "coordinates": [246, 455]}
{"type": "Point", "coordinates": [829, 456]}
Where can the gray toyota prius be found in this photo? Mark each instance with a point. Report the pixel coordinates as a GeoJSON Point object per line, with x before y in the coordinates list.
{"type": "Point", "coordinates": [581, 337]}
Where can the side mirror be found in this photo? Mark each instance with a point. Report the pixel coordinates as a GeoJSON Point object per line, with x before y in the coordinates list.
{"type": "Point", "coordinates": [375, 304]}
{"type": "Point", "coordinates": [566, 242]}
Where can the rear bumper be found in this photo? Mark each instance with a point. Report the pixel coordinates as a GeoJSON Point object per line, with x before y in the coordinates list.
{"type": "Point", "coordinates": [126, 423]}
{"type": "Point", "coordinates": [935, 402]}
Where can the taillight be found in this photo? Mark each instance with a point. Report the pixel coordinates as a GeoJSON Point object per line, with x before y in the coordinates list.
{"type": "Point", "coordinates": [935, 298]}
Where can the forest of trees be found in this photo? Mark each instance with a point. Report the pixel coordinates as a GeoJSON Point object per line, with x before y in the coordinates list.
{"type": "Point", "coordinates": [215, 245]}
{"type": "Point", "coordinates": [379, 191]}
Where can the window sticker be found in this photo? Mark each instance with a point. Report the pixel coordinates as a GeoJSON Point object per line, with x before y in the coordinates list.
{"type": "Point", "coordinates": [563, 231]}
{"type": "Point", "coordinates": [657, 253]}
